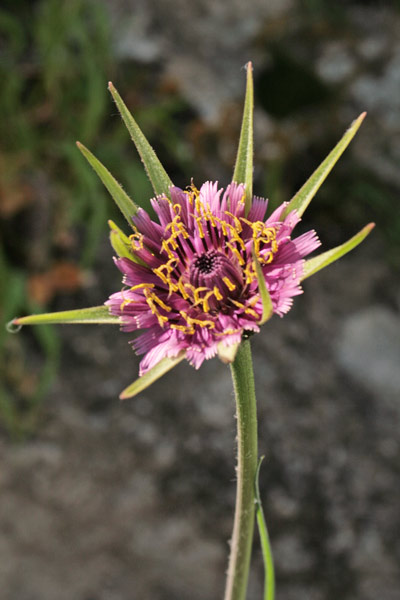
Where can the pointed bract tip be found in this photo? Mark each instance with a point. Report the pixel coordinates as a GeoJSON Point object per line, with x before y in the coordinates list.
{"type": "Point", "coordinates": [370, 226]}
{"type": "Point", "coordinates": [249, 65]}
{"type": "Point", "coordinates": [361, 117]}
{"type": "Point", "coordinates": [13, 326]}
{"type": "Point", "coordinates": [111, 86]}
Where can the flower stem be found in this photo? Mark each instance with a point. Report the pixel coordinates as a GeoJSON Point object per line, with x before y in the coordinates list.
{"type": "Point", "coordinates": [242, 536]}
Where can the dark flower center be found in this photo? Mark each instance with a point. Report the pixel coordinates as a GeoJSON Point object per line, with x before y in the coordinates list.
{"type": "Point", "coordinates": [208, 262]}
{"type": "Point", "coordinates": [215, 271]}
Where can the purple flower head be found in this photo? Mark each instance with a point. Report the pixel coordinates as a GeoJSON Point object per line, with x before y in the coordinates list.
{"type": "Point", "coordinates": [193, 284]}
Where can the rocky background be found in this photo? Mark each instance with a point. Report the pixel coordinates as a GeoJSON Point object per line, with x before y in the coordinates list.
{"type": "Point", "coordinates": [103, 500]}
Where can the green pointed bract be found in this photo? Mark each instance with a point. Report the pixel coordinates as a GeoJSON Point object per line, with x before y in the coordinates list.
{"type": "Point", "coordinates": [243, 172]}
{"type": "Point", "coordinates": [268, 309]}
{"type": "Point", "coordinates": [120, 197]}
{"type": "Point", "coordinates": [120, 242]}
{"type": "Point", "coordinates": [302, 199]}
{"type": "Point", "coordinates": [313, 265]}
{"type": "Point", "coordinates": [96, 314]}
{"type": "Point", "coordinates": [154, 169]}
{"type": "Point", "coordinates": [143, 382]}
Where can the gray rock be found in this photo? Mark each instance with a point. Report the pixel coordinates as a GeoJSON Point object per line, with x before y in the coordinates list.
{"type": "Point", "coordinates": [368, 348]}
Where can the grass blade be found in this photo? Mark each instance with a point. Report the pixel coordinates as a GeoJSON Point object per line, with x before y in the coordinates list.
{"type": "Point", "coordinates": [154, 169]}
{"type": "Point", "coordinates": [302, 199]}
{"type": "Point", "coordinates": [143, 382]}
{"type": "Point", "coordinates": [243, 172]}
{"type": "Point", "coordinates": [269, 578]}
{"type": "Point", "coordinates": [120, 197]}
{"type": "Point", "coordinates": [313, 265]}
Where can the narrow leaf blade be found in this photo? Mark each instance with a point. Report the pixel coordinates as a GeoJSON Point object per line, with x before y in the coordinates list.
{"type": "Point", "coordinates": [243, 172]}
{"type": "Point", "coordinates": [95, 314]}
{"type": "Point", "coordinates": [120, 242]}
{"type": "Point", "coordinates": [268, 308]}
{"type": "Point", "coordinates": [120, 197]}
{"type": "Point", "coordinates": [154, 169]}
{"type": "Point", "coordinates": [269, 578]}
{"type": "Point", "coordinates": [143, 382]}
{"type": "Point", "coordinates": [302, 199]}
{"type": "Point", "coordinates": [313, 265]}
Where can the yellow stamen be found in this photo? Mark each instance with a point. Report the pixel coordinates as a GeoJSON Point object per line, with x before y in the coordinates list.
{"type": "Point", "coordinates": [231, 286]}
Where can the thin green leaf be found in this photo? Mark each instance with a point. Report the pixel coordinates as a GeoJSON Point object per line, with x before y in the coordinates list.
{"type": "Point", "coordinates": [268, 309]}
{"type": "Point", "coordinates": [269, 578]}
{"type": "Point", "coordinates": [143, 382]}
{"type": "Point", "coordinates": [120, 197]}
{"type": "Point", "coordinates": [302, 199]}
{"type": "Point", "coordinates": [122, 244]}
{"type": "Point", "coordinates": [243, 172]}
{"type": "Point", "coordinates": [119, 241]}
{"type": "Point", "coordinates": [154, 169]}
{"type": "Point", "coordinates": [96, 314]}
{"type": "Point", "coordinates": [313, 265]}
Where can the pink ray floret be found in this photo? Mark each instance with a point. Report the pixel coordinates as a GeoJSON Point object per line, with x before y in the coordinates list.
{"type": "Point", "coordinates": [196, 286]}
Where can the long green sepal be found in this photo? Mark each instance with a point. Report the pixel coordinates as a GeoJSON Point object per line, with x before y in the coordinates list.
{"type": "Point", "coordinates": [243, 172]}
{"type": "Point", "coordinates": [120, 197]}
{"type": "Point", "coordinates": [120, 242]}
{"type": "Point", "coordinates": [268, 308]}
{"type": "Point", "coordinates": [313, 265]}
{"type": "Point", "coordinates": [143, 382]}
{"type": "Point", "coordinates": [302, 199]}
{"type": "Point", "coordinates": [96, 314]}
{"type": "Point", "coordinates": [154, 169]}
{"type": "Point", "coordinates": [269, 579]}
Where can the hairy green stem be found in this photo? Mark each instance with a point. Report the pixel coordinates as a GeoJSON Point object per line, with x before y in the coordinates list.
{"type": "Point", "coordinates": [246, 413]}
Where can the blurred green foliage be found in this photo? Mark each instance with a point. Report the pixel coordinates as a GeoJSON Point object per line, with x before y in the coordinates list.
{"type": "Point", "coordinates": [56, 60]}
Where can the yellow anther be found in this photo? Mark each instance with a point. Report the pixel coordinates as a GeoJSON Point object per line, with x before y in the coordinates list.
{"type": "Point", "coordinates": [253, 301]}
{"type": "Point", "coordinates": [217, 293]}
{"type": "Point", "coordinates": [200, 226]}
{"type": "Point", "coordinates": [124, 303]}
{"type": "Point", "coordinates": [146, 286]}
{"type": "Point", "coordinates": [231, 286]}
{"type": "Point", "coordinates": [236, 253]}
{"type": "Point", "coordinates": [184, 328]}
{"type": "Point", "coordinates": [150, 301]}
{"type": "Point", "coordinates": [266, 258]}
{"type": "Point", "coordinates": [181, 288]}
{"type": "Point", "coordinates": [167, 249]}
{"type": "Point", "coordinates": [238, 304]}
{"type": "Point", "coordinates": [227, 332]}
{"type": "Point", "coordinates": [196, 293]}
{"type": "Point", "coordinates": [158, 301]}
{"type": "Point", "coordinates": [251, 312]}
{"type": "Point", "coordinates": [192, 321]}
{"type": "Point", "coordinates": [236, 221]}
{"type": "Point", "coordinates": [204, 299]}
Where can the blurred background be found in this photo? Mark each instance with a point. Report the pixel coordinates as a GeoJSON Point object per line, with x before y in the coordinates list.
{"type": "Point", "coordinates": [103, 500]}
